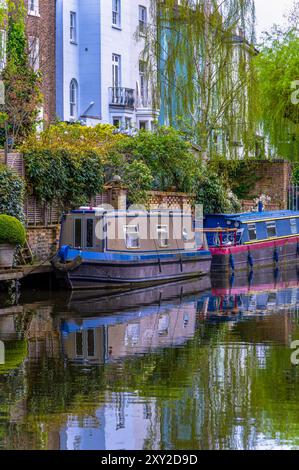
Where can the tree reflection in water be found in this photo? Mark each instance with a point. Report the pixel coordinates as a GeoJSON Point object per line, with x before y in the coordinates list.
{"type": "Point", "coordinates": [194, 371]}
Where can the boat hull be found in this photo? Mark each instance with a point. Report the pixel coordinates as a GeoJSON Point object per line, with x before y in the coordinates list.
{"type": "Point", "coordinates": [263, 254]}
{"type": "Point", "coordinates": [98, 274]}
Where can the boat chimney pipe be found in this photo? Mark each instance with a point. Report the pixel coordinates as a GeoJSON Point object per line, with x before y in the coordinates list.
{"type": "Point", "coordinates": [260, 206]}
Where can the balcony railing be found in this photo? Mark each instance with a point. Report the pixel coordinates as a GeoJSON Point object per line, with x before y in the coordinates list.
{"type": "Point", "coordinates": [124, 97]}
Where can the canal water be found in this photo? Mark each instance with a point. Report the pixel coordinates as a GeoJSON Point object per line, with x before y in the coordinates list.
{"type": "Point", "coordinates": [204, 364]}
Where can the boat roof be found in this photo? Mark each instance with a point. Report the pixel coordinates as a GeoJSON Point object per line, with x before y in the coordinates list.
{"type": "Point", "coordinates": [259, 216]}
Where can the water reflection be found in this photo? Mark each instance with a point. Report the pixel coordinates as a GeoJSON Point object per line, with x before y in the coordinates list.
{"type": "Point", "coordinates": [194, 365]}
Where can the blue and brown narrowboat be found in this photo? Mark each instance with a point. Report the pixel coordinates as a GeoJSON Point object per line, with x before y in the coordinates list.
{"type": "Point", "coordinates": [251, 240]}
{"type": "Point", "coordinates": [119, 249]}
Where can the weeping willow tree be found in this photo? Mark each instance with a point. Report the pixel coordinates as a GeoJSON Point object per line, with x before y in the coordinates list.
{"type": "Point", "coordinates": [200, 52]}
{"type": "Point", "coordinates": [278, 76]}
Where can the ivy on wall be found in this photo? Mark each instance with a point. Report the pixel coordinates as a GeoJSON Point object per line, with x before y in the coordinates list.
{"type": "Point", "coordinates": [240, 175]}
{"type": "Point", "coordinates": [12, 189]}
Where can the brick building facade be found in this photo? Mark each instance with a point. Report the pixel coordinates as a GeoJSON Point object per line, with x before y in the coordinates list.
{"type": "Point", "coordinates": [40, 27]}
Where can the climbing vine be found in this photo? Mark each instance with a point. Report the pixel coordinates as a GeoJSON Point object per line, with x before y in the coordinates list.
{"type": "Point", "coordinates": [23, 97]}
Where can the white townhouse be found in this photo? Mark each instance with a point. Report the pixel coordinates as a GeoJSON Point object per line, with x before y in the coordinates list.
{"type": "Point", "coordinates": [100, 74]}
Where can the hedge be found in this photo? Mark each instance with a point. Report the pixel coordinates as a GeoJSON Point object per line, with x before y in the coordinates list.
{"type": "Point", "coordinates": [11, 231]}
{"type": "Point", "coordinates": [12, 190]}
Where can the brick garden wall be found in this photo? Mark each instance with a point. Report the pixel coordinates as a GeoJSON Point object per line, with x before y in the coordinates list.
{"type": "Point", "coordinates": [170, 200]}
{"type": "Point", "coordinates": [274, 181]}
{"type": "Point", "coordinates": [43, 241]}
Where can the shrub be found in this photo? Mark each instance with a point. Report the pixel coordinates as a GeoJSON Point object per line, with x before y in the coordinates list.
{"type": "Point", "coordinates": [70, 178]}
{"type": "Point", "coordinates": [66, 162]}
{"type": "Point", "coordinates": [239, 175]}
{"type": "Point", "coordinates": [212, 193]}
{"type": "Point", "coordinates": [11, 231]}
{"type": "Point", "coordinates": [138, 178]}
{"type": "Point", "coordinates": [166, 154]}
{"type": "Point", "coordinates": [11, 193]}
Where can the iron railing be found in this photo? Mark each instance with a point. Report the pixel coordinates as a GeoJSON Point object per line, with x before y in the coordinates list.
{"type": "Point", "coordinates": [124, 97]}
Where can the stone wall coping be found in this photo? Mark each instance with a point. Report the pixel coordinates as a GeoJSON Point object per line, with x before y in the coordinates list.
{"type": "Point", "coordinates": [42, 227]}
{"type": "Point", "coordinates": [169, 193]}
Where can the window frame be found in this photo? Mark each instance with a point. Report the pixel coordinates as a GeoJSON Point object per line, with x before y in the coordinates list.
{"type": "Point", "coordinates": [74, 103]}
{"type": "Point", "coordinates": [127, 231]}
{"type": "Point", "coordinates": [142, 19]}
{"type": "Point", "coordinates": [161, 229]}
{"type": "Point", "coordinates": [3, 46]}
{"type": "Point", "coordinates": [73, 28]}
{"type": "Point", "coordinates": [293, 223]}
{"type": "Point", "coordinates": [270, 226]}
{"type": "Point", "coordinates": [78, 219]}
{"type": "Point", "coordinates": [34, 52]}
{"type": "Point", "coordinates": [116, 14]}
{"type": "Point", "coordinates": [35, 10]}
{"type": "Point", "coordinates": [87, 245]}
{"type": "Point", "coordinates": [250, 228]}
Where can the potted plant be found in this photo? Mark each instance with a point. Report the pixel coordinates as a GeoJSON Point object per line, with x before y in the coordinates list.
{"type": "Point", "coordinates": [12, 233]}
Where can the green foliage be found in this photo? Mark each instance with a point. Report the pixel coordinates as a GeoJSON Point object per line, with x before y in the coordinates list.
{"type": "Point", "coordinates": [67, 162]}
{"type": "Point", "coordinates": [75, 138]}
{"type": "Point", "coordinates": [206, 81]}
{"type": "Point", "coordinates": [138, 178]}
{"type": "Point", "coordinates": [16, 44]}
{"type": "Point", "coordinates": [72, 179]}
{"type": "Point", "coordinates": [211, 191]}
{"type": "Point", "coordinates": [11, 230]}
{"type": "Point", "coordinates": [11, 193]}
{"type": "Point", "coordinates": [22, 84]}
{"type": "Point", "coordinates": [15, 354]}
{"type": "Point", "coordinates": [278, 71]}
{"type": "Point", "coordinates": [239, 175]}
{"type": "Point", "coordinates": [166, 154]}
{"type": "Point", "coordinates": [70, 163]}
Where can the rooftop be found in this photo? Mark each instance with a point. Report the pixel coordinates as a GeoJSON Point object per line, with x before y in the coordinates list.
{"type": "Point", "coordinates": [259, 215]}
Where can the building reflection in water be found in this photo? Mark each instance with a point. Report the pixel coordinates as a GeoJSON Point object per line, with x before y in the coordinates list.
{"type": "Point", "coordinates": [178, 367]}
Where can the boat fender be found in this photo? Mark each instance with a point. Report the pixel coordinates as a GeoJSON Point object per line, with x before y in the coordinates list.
{"type": "Point", "coordinates": [65, 267]}
{"type": "Point", "coordinates": [276, 255]}
{"type": "Point", "coordinates": [250, 259]}
{"type": "Point", "coordinates": [232, 262]}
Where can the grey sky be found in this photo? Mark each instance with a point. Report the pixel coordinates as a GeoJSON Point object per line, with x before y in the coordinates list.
{"type": "Point", "coordinates": [269, 12]}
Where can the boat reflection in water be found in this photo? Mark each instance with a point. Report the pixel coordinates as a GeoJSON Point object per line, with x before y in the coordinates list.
{"type": "Point", "coordinates": [113, 327]}
{"type": "Point", "coordinates": [257, 294]}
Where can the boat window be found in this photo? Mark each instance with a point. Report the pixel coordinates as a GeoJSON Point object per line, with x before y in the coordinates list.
{"type": "Point", "coordinates": [163, 237]}
{"type": "Point", "coordinates": [89, 233]}
{"type": "Point", "coordinates": [79, 344]}
{"type": "Point", "coordinates": [185, 235]}
{"type": "Point", "coordinates": [293, 223]}
{"type": "Point", "coordinates": [78, 233]}
{"type": "Point", "coordinates": [132, 236]}
{"type": "Point", "coordinates": [90, 343]}
{"type": "Point", "coordinates": [163, 325]}
{"type": "Point", "coordinates": [252, 232]}
{"type": "Point", "coordinates": [271, 229]}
